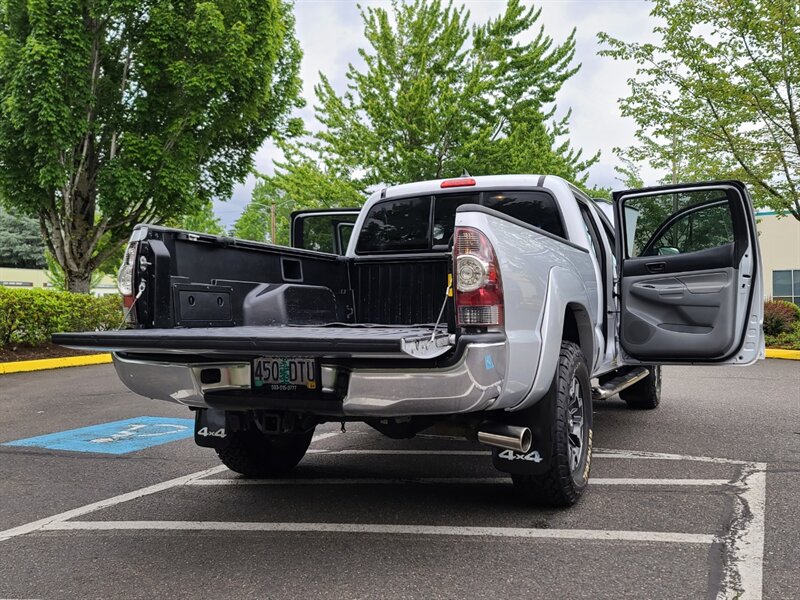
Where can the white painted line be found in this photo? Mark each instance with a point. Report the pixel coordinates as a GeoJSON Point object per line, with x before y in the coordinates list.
{"type": "Point", "coordinates": [405, 452]}
{"type": "Point", "coordinates": [512, 532]}
{"type": "Point", "coordinates": [743, 578]}
{"type": "Point", "coordinates": [641, 455]}
{"type": "Point", "coordinates": [355, 481]}
{"type": "Point", "coordinates": [324, 436]}
{"type": "Point", "coordinates": [95, 506]}
{"type": "Point", "coordinates": [600, 453]}
{"type": "Point", "coordinates": [662, 482]}
{"type": "Point", "coordinates": [447, 480]}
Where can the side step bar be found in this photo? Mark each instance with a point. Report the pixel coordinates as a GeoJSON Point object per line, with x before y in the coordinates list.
{"type": "Point", "coordinates": [619, 383]}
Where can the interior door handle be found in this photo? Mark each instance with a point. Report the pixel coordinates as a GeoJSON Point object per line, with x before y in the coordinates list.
{"type": "Point", "coordinates": [656, 267]}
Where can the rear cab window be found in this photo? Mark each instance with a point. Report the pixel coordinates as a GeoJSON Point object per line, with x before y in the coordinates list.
{"type": "Point", "coordinates": [420, 223]}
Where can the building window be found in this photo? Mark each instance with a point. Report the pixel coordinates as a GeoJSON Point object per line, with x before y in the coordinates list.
{"type": "Point", "coordinates": [786, 286]}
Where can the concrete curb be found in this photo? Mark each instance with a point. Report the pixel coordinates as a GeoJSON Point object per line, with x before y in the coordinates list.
{"type": "Point", "coordinates": [785, 354]}
{"type": "Point", "coordinates": [23, 366]}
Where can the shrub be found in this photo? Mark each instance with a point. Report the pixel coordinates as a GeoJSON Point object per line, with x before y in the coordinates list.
{"type": "Point", "coordinates": [30, 316]}
{"type": "Point", "coordinates": [779, 317]}
{"type": "Point", "coordinates": [789, 340]}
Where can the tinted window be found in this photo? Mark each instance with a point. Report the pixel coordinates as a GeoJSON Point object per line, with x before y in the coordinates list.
{"type": "Point", "coordinates": [534, 208]}
{"type": "Point", "coordinates": [677, 223]}
{"type": "Point", "coordinates": [396, 225]}
{"type": "Point", "coordinates": [402, 224]}
{"type": "Point", "coordinates": [320, 232]}
{"type": "Point", "coordinates": [444, 215]}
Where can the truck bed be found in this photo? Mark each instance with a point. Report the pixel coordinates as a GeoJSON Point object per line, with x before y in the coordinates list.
{"type": "Point", "coordinates": [331, 340]}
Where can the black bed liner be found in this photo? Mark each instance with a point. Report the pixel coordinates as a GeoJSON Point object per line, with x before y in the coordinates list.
{"type": "Point", "coordinates": [314, 340]}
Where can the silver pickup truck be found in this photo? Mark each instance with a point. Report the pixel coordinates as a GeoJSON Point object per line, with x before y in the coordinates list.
{"type": "Point", "coordinates": [495, 308]}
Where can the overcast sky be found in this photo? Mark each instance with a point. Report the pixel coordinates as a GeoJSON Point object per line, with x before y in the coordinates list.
{"type": "Point", "coordinates": [330, 33]}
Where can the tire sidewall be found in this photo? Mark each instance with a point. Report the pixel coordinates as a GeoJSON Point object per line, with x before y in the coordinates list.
{"type": "Point", "coordinates": [579, 369]}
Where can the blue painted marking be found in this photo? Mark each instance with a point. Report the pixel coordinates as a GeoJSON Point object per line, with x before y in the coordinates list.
{"type": "Point", "coordinates": [489, 362]}
{"type": "Point", "coordinates": [117, 437]}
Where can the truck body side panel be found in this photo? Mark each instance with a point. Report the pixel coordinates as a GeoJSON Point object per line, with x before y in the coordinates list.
{"type": "Point", "coordinates": [540, 276]}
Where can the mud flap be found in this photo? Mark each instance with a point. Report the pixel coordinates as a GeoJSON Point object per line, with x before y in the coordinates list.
{"type": "Point", "coordinates": [211, 428]}
{"type": "Point", "coordinates": [539, 418]}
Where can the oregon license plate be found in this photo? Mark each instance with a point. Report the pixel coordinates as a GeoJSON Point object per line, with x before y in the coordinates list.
{"type": "Point", "coordinates": [285, 374]}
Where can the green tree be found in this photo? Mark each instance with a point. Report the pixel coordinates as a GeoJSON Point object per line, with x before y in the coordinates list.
{"type": "Point", "coordinates": [253, 224]}
{"type": "Point", "coordinates": [114, 112]}
{"type": "Point", "coordinates": [21, 243]}
{"type": "Point", "coordinates": [435, 97]}
{"type": "Point", "coordinates": [202, 221]}
{"type": "Point", "coordinates": [717, 95]}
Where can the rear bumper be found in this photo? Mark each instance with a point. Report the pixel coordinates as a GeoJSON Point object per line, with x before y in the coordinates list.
{"type": "Point", "coordinates": [471, 384]}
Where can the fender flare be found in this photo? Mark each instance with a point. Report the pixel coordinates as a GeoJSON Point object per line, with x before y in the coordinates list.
{"type": "Point", "coordinates": [564, 290]}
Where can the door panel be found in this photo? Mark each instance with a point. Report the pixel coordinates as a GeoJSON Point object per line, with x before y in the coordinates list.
{"type": "Point", "coordinates": [689, 276]}
{"type": "Point", "coordinates": [661, 312]}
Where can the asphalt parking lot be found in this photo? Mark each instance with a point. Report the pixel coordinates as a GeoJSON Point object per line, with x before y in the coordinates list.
{"type": "Point", "coordinates": [698, 499]}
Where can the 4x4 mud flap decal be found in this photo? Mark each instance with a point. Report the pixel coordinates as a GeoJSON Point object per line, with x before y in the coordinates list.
{"type": "Point", "coordinates": [210, 428]}
{"type": "Point", "coordinates": [537, 460]}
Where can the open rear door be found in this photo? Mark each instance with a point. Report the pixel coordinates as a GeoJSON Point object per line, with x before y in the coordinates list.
{"type": "Point", "coordinates": [324, 229]}
{"type": "Point", "coordinates": [689, 275]}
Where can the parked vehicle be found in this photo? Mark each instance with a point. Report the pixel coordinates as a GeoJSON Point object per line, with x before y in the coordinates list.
{"type": "Point", "coordinates": [497, 307]}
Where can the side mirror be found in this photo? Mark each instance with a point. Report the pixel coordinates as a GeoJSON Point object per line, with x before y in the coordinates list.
{"type": "Point", "coordinates": [668, 251]}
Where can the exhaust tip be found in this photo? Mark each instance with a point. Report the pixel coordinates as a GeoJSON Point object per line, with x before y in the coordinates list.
{"type": "Point", "coordinates": [509, 437]}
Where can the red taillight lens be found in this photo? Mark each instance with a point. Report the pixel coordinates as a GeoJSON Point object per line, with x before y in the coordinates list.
{"type": "Point", "coordinates": [460, 182]}
{"type": "Point", "coordinates": [478, 287]}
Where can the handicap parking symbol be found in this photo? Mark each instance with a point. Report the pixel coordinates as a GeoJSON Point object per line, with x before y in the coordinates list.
{"type": "Point", "coordinates": [116, 437]}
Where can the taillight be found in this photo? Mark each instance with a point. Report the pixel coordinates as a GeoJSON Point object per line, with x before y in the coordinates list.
{"type": "Point", "coordinates": [125, 279]}
{"type": "Point", "coordinates": [479, 289]}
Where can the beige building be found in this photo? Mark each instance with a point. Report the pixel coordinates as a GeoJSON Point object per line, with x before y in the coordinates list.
{"type": "Point", "coordinates": [37, 278]}
{"type": "Point", "coordinates": [779, 239]}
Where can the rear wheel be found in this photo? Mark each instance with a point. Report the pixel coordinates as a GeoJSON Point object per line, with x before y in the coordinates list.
{"type": "Point", "coordinates": [567, 476]}
{"type": "Point", "coordinates": [256, 454]}
{"type": "Point", "coordinates": [644, 394]}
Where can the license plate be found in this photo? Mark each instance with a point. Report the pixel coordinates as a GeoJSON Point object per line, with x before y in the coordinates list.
{"type": "Point", "coordinates": [285, 374]}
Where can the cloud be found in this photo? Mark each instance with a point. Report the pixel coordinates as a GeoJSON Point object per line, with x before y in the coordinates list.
{"type": "Point", "coordinates": [330, 34]}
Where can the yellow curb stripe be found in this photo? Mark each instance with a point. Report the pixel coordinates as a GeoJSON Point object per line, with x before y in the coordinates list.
{"type": "Point", "coordinates": [23, 366]}
{"type": "Point", "coordinates": [785, 354]}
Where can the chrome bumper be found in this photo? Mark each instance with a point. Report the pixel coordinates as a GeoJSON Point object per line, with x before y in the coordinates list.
{"type": "Point", "coordinates": [471, 384]}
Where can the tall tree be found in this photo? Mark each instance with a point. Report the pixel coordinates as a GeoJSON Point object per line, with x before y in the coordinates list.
{"type": "Point", "coordinates": [119, 111]}
{"type": "Point", "coordinates": [717, 95]}
{"type": "Point", "coordinates": [434, 98]}
{"type": "Point", "coordinates": [253, 223]}
{"type": "Point", "coordinates": [202, 221]}
{"type": "Point", "coordinates": [21, 244]}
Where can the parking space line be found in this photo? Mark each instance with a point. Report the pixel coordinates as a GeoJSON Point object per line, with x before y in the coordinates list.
{"type": "Point", "coordinates": [744, 563]}
{"type": "Point", "coordinates": [119, 499]}
{"type": "Point", "coordinates": [400, 452]}
{"type": "Point", "coordinates": [94, 506]}
{"type": "Point", "coordinates": [642, 455]}
{"type": "Point", "coordinates": [449, 480]}
{"type": "Point", "coordinates": [509, 532]}
{"type": "Point", "coordinates": [599, 453]}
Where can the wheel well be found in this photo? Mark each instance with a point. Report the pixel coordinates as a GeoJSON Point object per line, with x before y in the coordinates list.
{"type": "Point", "coordinates": [578, 329]}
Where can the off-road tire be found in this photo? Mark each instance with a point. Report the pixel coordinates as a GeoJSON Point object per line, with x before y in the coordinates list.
{"type": "Point", "coordinates": [562, 484]}
{"type": "Point", "coordinates": [255, 454]}
{"type": "Point", "coordinates": [644, 394]}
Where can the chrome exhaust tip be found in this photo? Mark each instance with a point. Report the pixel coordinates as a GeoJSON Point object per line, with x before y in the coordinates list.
{"type": "Point", "coordinates": [510, 437]}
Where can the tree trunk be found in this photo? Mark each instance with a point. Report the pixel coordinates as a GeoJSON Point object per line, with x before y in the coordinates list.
{"type": "Point", "coordinates": [78, 281]}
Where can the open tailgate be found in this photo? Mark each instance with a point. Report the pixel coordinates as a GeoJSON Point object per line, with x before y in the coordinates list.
{"type": "Point", "coordinates": [333, 340]}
